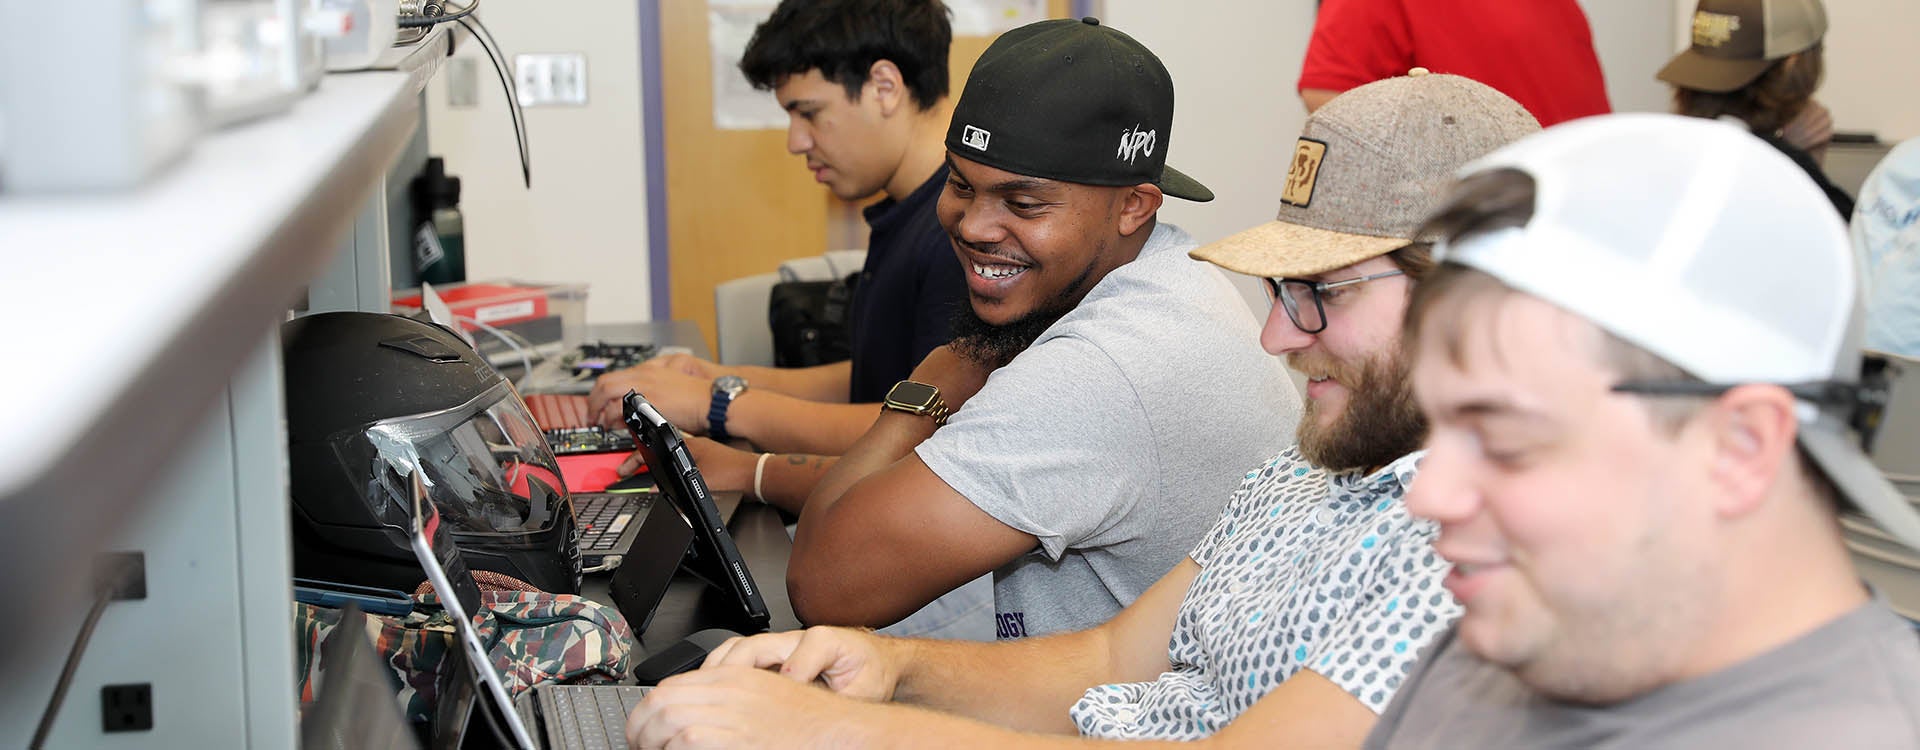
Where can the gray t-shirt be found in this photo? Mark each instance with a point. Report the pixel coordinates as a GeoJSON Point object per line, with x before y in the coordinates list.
{"type": "Point", "coordinates": [1853, 683]}
{"type": "Point", "coordinates": [1117, 437]}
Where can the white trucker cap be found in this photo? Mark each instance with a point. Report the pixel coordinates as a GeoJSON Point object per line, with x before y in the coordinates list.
{"type": "Point", "coordinates": [1700, 243]}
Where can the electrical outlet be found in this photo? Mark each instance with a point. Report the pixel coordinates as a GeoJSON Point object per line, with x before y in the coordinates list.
{"type": "Point", "coordinates": [126, 708]}
{"type": "Point", "coordinates": [551, 79]}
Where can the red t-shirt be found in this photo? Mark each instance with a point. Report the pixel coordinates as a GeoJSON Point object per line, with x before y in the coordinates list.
{"type": "Point", "coordinates": [1540, 52]}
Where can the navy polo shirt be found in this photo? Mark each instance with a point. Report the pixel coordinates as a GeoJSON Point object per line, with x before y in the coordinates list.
{"type": "Point", "coordinates": [909, 290]}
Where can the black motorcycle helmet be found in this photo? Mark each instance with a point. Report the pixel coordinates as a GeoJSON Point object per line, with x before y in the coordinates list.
{"type": "Point", "coordinates": [372, 398]}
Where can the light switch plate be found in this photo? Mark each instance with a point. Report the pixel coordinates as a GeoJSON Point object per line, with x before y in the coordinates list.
{"type": "Point", "coordinates": [551, 79]}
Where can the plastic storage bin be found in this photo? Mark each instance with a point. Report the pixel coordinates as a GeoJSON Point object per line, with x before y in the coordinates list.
{"type": "Point", "coordinates": [545, 317]}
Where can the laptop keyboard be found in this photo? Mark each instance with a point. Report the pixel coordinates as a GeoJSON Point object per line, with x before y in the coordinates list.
{"type": "Point", "coordinates": [602, 518]}
{"type": "Point", "coordinates": [589, 717]}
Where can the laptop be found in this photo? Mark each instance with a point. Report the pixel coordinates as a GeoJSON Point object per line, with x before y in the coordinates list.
{"type": "Point", "coordinates": [565, 716]}
{"type": "Point", "coordinates": [714, 558]}
{"type": "Point", "coordinates": [588, 457]}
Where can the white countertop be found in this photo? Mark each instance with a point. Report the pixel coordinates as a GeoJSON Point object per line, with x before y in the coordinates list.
{"type": "Point", "coordinates": [115, 300]}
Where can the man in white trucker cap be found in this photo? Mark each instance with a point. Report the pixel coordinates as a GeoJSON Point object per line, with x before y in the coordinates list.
{"type": "Point", "coordinates": [1640, 361]}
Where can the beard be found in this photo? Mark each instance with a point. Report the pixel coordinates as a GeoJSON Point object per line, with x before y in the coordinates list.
{"type": "Point", "coordinates": [993, 346]}
{"type": "Point", "coordinates": [1381, 422]}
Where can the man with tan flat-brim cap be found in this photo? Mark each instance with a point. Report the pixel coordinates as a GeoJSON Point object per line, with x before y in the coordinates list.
{"type": "Point", "coordinates": [1366, 171]}
{"type": "Point", "coordinates": [1341, 257]}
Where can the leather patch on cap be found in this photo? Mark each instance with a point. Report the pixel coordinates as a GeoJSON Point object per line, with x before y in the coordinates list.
{"type": "Point", "coordinates": [1305, 171]}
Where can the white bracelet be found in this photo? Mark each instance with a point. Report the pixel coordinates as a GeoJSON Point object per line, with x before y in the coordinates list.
{"type": "Point", "coordinates": [759, 471]}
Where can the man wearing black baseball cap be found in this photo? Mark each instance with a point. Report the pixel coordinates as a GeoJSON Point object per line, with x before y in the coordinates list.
{"type": "Point", "coordinates": [1297, 616]}
{"type": "Point", "coordinates": [1127, 390]}
{"type": "Point", "coordinates": [1092, 462]}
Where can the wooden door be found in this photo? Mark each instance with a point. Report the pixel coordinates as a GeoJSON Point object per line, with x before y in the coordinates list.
{"type": "Point", "coordinates": [737, 203]}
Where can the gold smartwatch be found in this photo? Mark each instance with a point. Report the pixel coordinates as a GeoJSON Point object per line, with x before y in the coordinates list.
{"type": "Point", "coordinates": [916, 398]}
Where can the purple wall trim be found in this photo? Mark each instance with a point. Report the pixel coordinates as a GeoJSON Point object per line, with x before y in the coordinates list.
{"type": "Point", "coordinates": [653, 126]}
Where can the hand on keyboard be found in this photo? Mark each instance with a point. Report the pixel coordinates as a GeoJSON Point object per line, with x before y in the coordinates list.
{"type": "Point", "coordinates": [738, 707]}
{"type": "Point", "coordinates": [680, 386]}
{"type": "Point", "coordinates": [850, 662]}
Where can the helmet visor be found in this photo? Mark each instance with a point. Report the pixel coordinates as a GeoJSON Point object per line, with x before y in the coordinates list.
{"type": "Point", "coordinates": [485, 464]}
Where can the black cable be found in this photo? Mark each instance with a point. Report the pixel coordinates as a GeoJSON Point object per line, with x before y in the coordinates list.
{"type": "Point", "coordinates": [486, 37]}
{"type": "Point", "coordinates": [513, 100]}
{"type": "Point", "coordinates": [100, 602]}
{"type": "Point", "coordinates": [513, 90]}
{"type": "Point", "coordinates": [416, 22]}
{"type": "Point", "coordinates": [496, 56]}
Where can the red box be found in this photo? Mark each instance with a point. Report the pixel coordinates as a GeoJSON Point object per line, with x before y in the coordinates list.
{"type": "Point", "coordinates": [492, 304]}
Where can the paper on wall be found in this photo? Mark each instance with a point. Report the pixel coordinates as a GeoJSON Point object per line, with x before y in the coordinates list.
{"type": "Point", "coordinates": [736, 104]}
{"type": "Point", "coordinates": [990, 17]}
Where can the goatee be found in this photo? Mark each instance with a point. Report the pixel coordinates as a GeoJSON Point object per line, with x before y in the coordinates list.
{"type": "Point", "coordinates": [993, 346]}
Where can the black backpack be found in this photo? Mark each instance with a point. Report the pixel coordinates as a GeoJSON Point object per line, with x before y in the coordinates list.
{"type": "Point", "coordinates": [809, 320]}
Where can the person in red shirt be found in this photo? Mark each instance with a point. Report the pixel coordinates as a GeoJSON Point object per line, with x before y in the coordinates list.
{"type": "Point", "coordinates": [1539, 52]}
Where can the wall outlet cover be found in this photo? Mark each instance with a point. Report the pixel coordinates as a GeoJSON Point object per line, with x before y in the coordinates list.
{"type": "Point", "coordinates": [551, 79]}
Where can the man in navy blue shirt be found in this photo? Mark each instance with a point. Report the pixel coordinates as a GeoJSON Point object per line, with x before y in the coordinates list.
{"type": "Point", "coordinates": [864, 83]}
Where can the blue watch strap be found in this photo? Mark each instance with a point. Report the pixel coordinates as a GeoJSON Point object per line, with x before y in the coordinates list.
{"type": "Point", "coordinates": [717, 416]}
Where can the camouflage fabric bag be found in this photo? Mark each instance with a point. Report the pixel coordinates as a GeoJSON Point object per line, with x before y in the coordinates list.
{"type": "Point", "coordinates": [533, 637]}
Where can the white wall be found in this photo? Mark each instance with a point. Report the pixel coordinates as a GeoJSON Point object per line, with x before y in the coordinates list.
{"type": "Point", "coordinates": [1235, 112]}
{"type": "Point", "coordinates": [585, 218]}
{"type": "Point", "coordinates": [1634, 38]}
{"type": "Point", "coordinates": [1873, 72]}
{"type": "Point", "coordinates": [1236, 115]}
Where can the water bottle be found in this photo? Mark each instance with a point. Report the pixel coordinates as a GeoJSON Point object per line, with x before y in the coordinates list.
{"type": "Point", "coordinates": [439, 243]}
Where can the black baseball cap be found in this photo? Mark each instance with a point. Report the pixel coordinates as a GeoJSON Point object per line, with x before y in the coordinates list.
{"type": "Point", "coordinates": [1073, 101]}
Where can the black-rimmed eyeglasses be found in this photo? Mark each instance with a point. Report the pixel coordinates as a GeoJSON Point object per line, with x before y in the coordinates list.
{"type": "Point", "coordinates": [1302, 298]}
{"type": "Point", "coordinates": [1864, 403]}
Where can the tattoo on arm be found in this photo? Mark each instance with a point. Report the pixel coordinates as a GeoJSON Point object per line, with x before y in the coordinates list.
{"type": "Point", "coordinates": [800, 461]}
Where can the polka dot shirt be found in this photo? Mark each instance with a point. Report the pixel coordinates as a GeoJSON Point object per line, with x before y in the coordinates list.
{"type": "Point", "coordinates": [1305, 569]}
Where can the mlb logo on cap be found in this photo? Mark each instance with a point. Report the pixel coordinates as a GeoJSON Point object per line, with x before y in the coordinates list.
{"type": "Point", "coordinates": [975, 138]}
